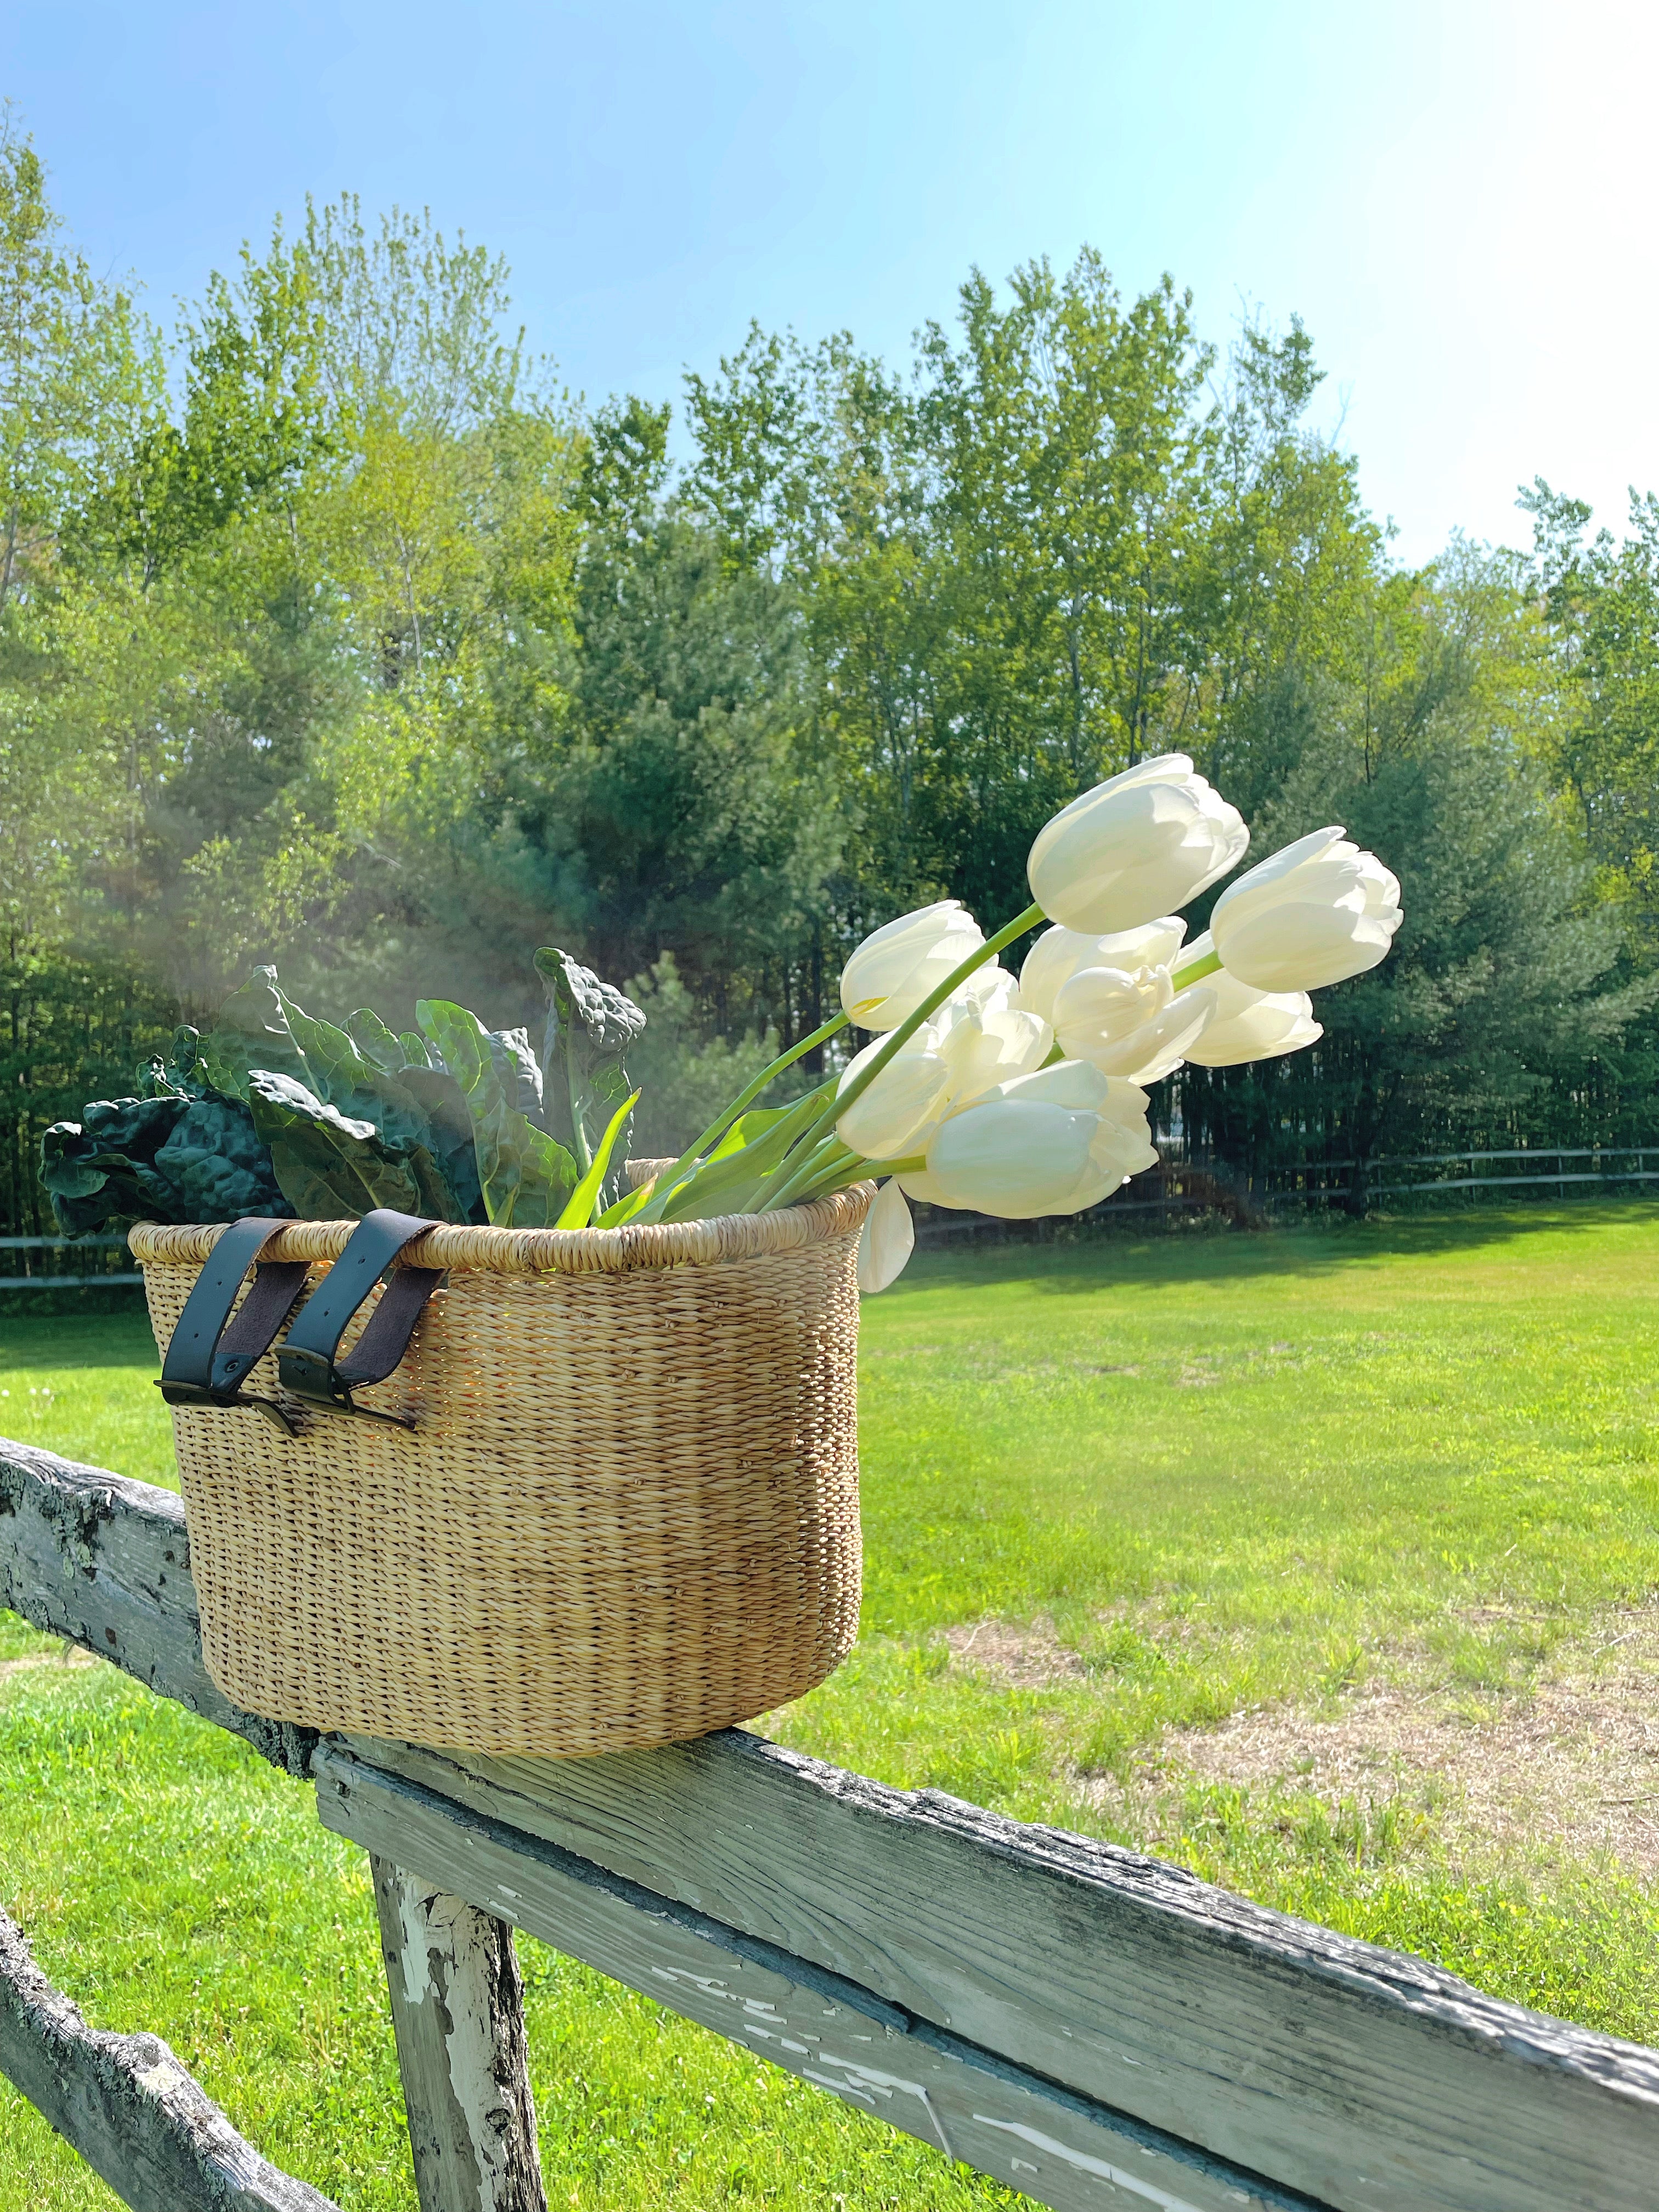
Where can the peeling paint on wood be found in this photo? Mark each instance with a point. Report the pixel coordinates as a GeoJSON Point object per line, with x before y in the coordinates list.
{"type": "Point", "coordinates": [128, 2107]}
{"type": "Point", "coordinates": [457, 2009]}
{"type": "Point", "coordinates": [969, 2103]}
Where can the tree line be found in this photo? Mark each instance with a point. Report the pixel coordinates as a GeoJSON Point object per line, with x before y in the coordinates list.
{"type": "Point", "coordinates": [334, 634]}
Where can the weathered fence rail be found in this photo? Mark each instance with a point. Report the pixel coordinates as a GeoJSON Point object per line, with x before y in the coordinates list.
{"type": "Point", "coordinates": [1092, 2026]}
{"type": "Point", "coordinates": [1522, 1167]}
{"type": "Point", "coordinates": [98, 1273]}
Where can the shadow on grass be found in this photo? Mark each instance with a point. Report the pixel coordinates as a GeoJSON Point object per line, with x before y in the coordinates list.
{"type": "Point", "coordinates": [1216, 1251]}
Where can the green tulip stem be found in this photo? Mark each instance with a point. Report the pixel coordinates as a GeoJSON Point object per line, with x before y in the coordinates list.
{"type": "Point", "coordinates": [1197, 971]}
{"type": "Point", "coordinates": [790, 1185]}
{"type": "Point", "coordinates": [717, 1128]}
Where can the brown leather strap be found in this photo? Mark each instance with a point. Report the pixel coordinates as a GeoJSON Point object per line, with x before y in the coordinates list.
{"type": "Point", "coordinates": [307, 1360]}
{"type": "Point", "coordinates": [384, 1340]}
{"type": "Point", "coordinates": [207, 1360]}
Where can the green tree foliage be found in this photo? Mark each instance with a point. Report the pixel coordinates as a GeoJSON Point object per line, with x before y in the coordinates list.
{"type": "Point", "coordinates": [333, 634]}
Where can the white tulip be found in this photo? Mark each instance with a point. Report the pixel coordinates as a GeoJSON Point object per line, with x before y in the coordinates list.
{"type": "Point", "coordinates": [1249, 1024]}
{"type": "Point", "coordinates": [1135, 1026]}
{"type": "Point", "coordinates": [1316, 913]}
{"type": "Point", "coordinates": [989, 1042]}
{"type": "Point", "coordinates": [1134, 846]}
{"type": "Point", "coordinates": [1053, 1142]}
{"type": "Point", "coordinates": [906, 1102]}
{"type": "Point", "coordinates": [1059, 954]}
{"type": "Point", "coordinates": [887, 1240]}
{"type": "Point", "coordinates": [904, 962]}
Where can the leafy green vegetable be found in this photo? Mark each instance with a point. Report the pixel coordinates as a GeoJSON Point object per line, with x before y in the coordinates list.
{"type": "Point", "coordinates": [589, 1026]}
{"type": "Point", "coordinates": [252, 1031]}
{"type": "Point", "coordinates": [579, 1211]}
{"type": "Point", "coordinates": [525, 1176]}
{"type": "Point", "coordinates": [449, 1137]}
{"type": "Point", "coordinates": [329, 1166]}
{"type": "Point", "coordinates": [376, 1041]}
{"type": "Point", "coordinates": [168, 1158]}
{"type": "Point", "coordinates": [275, 1110]}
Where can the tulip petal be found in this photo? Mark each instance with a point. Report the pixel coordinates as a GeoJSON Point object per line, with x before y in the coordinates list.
{"type": "Point", "coordinates": [899, 965]}
{"type": "Point", "coordinates": [886, 1241]}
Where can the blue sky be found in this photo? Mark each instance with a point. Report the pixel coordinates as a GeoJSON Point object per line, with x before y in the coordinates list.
{"type": "Point", "coordinates": [1458, 199]}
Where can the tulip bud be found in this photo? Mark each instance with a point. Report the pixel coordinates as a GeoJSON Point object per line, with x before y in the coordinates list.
{"type": "Point", "coordinates": [1133, 847]}
{"type": "Point", "coordinates": [887, 1240]}
{"type": "Point", "coordinates": [1314, 913]}
{"type": "Point", "coordinates": [1250, 1025]}
{"type": "Point", "coordinates": [1059, 954]}
{"type": "Point", "coordinates": [1054, 1142]}
{"type": "Point", "coordinates": [904, 1104]}
{"type": "Point", "coordinates": [902, 963]}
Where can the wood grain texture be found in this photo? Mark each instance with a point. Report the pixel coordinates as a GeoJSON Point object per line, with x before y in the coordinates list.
{"type": "Point", "coordinates": [128, 2107]}
{"type": "Point", "coordinates": [1367, 2080]}
{"type": "Point", "coordinates": [458, 2011]}
{"type": "Point", "coordinates": [88, 1555]}
{"type": "Point", "coordinates": [1060, 2148]}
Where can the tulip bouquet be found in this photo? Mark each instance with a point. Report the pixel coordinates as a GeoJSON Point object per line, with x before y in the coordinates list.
{"type": "Point", "coordinates": [1021, 1097]}
{"type": "Point", "coordinates": [1012, 1097]}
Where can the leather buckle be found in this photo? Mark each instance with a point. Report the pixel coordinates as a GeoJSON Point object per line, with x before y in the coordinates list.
{"type": "Point", "coordinates": [192, 1394]}
{"type": "Point", "coordinates": [311, 1377]}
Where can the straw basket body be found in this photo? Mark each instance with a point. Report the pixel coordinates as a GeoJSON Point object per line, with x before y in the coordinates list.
{"type": "Point", "coordinates": [627, 1512]}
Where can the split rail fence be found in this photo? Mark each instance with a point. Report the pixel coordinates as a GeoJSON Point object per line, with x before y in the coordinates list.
{"type": "Point", "coordinates": [1093, 2028]}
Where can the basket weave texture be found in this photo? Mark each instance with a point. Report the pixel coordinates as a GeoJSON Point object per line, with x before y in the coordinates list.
{"type": "Point", "coordinates": [627, 1513]}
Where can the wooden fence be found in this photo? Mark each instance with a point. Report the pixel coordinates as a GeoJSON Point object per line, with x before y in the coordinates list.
{"type": "Point", "coordinates": [1093, 2028]}
{"type": "Point", "coordinates": [1537, 1167]}
{"type": "Point", "coordinates": [99, 1272]}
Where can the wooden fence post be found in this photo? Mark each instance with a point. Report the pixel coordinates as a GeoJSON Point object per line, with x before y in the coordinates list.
{"type": "Point", "coordinates": [457, 2010]}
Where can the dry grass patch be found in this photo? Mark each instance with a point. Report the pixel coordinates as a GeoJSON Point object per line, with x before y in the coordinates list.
{"type": "Point", "coordinates": [1565, 1764]}
{"type": "Point", "coordinates": [1570, 1767]}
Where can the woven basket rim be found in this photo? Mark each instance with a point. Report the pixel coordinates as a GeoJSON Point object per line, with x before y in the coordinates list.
{"type": "Point", "coordinates": [725, 1237]}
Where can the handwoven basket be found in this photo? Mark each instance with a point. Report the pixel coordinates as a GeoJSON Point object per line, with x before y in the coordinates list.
{"type": "Point", "coordinates": [627, 1512]}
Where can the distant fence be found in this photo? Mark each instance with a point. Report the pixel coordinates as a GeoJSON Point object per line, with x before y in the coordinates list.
{"type": "Point", "coordinates": [1176, 1187]}
{"type": "Point", "coordinates": [97, 1270]}
{"type": "Point", "coordinates": [1610, 1166]}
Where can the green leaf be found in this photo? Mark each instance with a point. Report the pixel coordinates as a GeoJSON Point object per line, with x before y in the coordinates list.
{"type": "Point", "coordinates": [330, 1167]}
{"type": "Point", "coordinates": [260, 1029]}
{"type": "Point", "coordinates": [589, 1026]}
{"type": "Point", "coordinates": [377, 1043]}
{"type": "Point", "coordinates": [728, 1180]}
{"type": "Point", "coordinates": [449, 1136]}
{"type": "Point", "coordinates": [526, 1176]}
{"type": "Point", "coordinates": [579, 1211]}
{"type": "Point", "coordinates": [252, 1031]}
{"type": "Point", "coordinates": [167, 1158]}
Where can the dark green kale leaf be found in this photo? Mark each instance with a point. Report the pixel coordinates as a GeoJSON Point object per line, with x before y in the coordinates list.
{"type": "Point", "coordinates": [166, 1158]}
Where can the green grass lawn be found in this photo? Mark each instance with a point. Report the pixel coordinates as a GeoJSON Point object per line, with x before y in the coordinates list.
{"type": "Point", "coordinates": [1115, 1493]}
